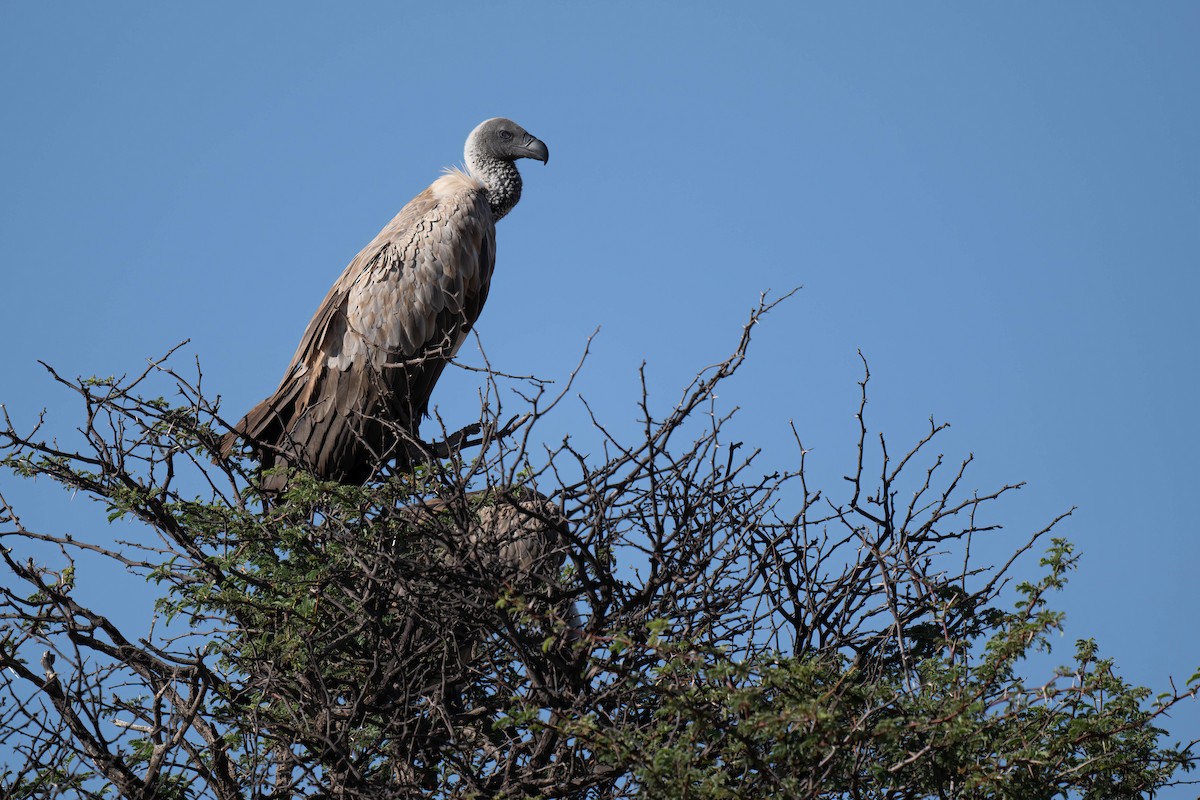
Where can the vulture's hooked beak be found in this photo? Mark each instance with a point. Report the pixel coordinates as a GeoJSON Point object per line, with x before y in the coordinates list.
{"type": "Point", "coordinates": [534, 147]}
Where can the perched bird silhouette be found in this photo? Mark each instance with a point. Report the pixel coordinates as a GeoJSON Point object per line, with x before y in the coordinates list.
{"type": "Point", "coordinates": [359, 383]}
{"type": "Point", "coordinates": [500, 542]}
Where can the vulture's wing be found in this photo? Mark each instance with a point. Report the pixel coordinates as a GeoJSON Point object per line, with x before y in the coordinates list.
{"type": "Point", "coordinates": [385, 331]}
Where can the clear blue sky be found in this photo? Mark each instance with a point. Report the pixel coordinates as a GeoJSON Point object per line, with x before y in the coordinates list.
{"type": "Point", "coordinates": [999, 205]}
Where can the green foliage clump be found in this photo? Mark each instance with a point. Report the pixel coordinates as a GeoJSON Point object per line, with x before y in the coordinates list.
{"type": "Point", "coordinates": [960, 724]}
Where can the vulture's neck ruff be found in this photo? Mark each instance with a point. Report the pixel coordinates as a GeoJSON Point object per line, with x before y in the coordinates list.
{"type": "Point", "coordinates": [499, 176]}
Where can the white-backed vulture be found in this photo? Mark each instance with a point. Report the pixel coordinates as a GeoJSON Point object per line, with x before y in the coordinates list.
{"type": "Point", "coordinates": [516, 536]}
{"type": "Point", "coordinates": [361, 378]}
{"type": "Point", "coordinates": [481, 546]}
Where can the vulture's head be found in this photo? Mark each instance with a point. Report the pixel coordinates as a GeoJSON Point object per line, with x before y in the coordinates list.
{"type": "Point", "coordinates": [502, 139]}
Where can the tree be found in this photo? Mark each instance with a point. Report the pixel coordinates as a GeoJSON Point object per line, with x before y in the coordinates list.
{"type": "Point", "coordinates": [516, 620]}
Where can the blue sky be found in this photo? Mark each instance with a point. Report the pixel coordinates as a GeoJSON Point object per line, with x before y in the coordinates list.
{"type": "Point", "coordinates": [999, 205]}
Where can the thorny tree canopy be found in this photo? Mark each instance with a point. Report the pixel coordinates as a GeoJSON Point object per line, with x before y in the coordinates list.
{"type": "Point", "coordinates": [645, 615]}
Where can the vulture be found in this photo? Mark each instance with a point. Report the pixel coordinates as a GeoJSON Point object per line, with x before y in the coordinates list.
{"type": "Point", "coordinates": [359, 383]}
{"type": "Point", "coordinates": [497, 540]}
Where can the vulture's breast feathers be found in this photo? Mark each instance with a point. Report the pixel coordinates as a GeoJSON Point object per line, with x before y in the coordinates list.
{"type": "Point", "coordinates": [415, 291]}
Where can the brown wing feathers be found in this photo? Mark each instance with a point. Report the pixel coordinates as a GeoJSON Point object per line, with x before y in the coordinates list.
{"type": "Point", "coordinates": [373, 352]}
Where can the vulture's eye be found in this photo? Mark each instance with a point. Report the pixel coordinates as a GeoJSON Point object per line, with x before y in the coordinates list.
{"type": "Point", "coordinates": [506, 135]}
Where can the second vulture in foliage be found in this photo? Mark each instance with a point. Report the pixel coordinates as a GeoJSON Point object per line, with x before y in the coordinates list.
{"type": "Point", "coordinates": [361, 378]}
